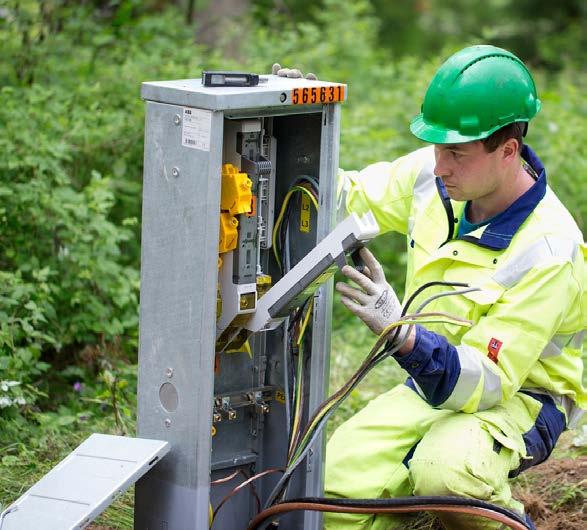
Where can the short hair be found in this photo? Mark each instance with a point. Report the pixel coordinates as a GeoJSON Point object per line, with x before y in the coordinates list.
{"type": "Point", "coordinates": [515, 130]}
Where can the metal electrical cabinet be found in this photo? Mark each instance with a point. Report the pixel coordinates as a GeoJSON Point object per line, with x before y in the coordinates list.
{"type": "Point", "coordinates": [216, 393]}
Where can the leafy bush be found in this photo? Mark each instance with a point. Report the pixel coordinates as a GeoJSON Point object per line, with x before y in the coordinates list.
{"type": "Point", "coordinates": [65, 283]}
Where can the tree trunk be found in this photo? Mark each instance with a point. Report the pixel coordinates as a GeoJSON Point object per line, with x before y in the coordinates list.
{"type": "Point", "coordinates": [217, 17]}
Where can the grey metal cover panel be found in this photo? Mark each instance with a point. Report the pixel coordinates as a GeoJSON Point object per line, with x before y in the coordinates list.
{"type": "Point", "coordinates": [272, 91]}
{"type": "Point", "coordinates": [84, 484]}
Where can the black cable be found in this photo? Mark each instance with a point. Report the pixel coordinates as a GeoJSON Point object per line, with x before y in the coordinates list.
{"type": "Point", "coordinates": [281, 485]}
{"type": "Point", "coordinates": [289, 209]}
{"type": "Point", "coordinates": [298, 312]}
{"type": "Point", "coordinates": [413, 296]}
{"type": "Point", "coordinates": [414, 500]}
{"type": "Point", "coordinates": [283, 231]}
{"type": "Point", "coordinates": [425, 286]}
{"type": "Point", "coordinates": [400, 502]}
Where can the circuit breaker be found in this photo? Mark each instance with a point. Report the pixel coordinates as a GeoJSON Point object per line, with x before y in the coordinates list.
{"type": "Point", "coordinates": [239, 187]}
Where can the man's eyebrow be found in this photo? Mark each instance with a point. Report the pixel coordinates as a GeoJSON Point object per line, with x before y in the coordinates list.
{"type": "Point", "coordinates": [454, 147]}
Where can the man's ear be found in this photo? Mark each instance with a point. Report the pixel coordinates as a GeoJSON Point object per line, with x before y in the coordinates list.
{"type": "Point", "coordinates": [510, 149]}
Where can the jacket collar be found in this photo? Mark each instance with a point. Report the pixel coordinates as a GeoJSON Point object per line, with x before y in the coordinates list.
{"type": "Point", "coordinates": [498, 234]}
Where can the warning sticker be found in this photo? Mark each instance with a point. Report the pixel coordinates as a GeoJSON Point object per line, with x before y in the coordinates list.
{"type": "Point", "coordinates": [280, 396]}
{"type": "Point", "coordinates": [197, 124]}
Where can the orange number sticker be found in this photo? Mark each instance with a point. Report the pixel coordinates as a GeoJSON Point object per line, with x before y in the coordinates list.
{"type": "Point", "coordinates": [313, 95]}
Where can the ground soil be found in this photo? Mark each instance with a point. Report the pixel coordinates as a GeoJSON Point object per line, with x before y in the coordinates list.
{"type": "Point", "coordinates": [554, 494]}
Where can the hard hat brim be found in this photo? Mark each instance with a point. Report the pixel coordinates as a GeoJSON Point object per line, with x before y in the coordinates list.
{"type": "Point", "coordinates": [436, 134]}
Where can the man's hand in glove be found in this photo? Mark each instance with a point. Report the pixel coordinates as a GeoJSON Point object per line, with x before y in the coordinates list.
{"type": "Point", "coordinates": [375, 303]}
{"type": "Point", "coordinates": [290, 72]}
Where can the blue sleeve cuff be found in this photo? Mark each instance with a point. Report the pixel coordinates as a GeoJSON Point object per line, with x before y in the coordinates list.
{"type": "Point", "coordinates": [433, 364]}
{"type": "Point", "coordinates": [421, 353]}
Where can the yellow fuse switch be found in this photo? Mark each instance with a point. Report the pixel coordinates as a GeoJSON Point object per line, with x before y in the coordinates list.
{"type": "Point", "coordinates": [228, 232]}
{"type": "Point", "coordinates": [263, 284]}
{"type": "Point", "coordinates": [235, 194]}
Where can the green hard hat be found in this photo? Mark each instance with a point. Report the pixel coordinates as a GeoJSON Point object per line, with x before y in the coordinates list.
{"type": "Point", "coordinates": [474, 93]}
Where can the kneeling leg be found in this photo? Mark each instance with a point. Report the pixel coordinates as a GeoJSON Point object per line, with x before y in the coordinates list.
{"type": "Point", "coordinates": [365, 456]}
{"type": "Point", "coordinates": [457, 456]}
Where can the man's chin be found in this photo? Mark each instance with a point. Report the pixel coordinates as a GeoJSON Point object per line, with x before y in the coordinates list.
{"type": "Point", "coordinates": [455, 194]}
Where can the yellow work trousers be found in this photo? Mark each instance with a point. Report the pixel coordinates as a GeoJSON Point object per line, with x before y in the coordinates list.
{"type": "Point", "coordinates": [455, 454]}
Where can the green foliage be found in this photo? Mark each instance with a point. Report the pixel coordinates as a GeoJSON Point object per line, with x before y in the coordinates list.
{"type": "Point", "coordinates": [574, 493]}
{"type": "Point", "coordinates": [71, 147]}
{"type": "Point", "coordinates": [64, 280]}
{"type": "Point", "coordinates": [70, 168]}
{"type": "Point", "coordinates": [118, 394]}
{"type": "Point", "coordinates": [557, 135]}
{"type": "Point", "coordinates": [71, 164]}
{"type": "Point", "coordinates": [543, 32]}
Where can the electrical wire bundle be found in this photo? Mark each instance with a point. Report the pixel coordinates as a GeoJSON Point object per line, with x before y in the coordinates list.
{"type": "Point", "coordinates": [296, 330]}
{"type": "Point", "coordinates": [296, 325]}
{"type": "Point", "coordinates": [385, 346]}
{"type": "Point", "coordinates": [249, 481]}
{"type": "Point", "coordinates": [303, 184]}
{"type": "Point", "coordinates": [397, 505]}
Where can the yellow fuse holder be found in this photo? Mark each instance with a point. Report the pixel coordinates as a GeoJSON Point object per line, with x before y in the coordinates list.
{"type": "Point", "coordinates": [235, 196]}
{"type": "Point", "coordinates": [263, 284]}
{"type": "Point", "coordinates": [228, 232]}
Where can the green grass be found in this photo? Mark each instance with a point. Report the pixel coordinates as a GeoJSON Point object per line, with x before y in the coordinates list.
{"type": "Point", "coordinates": [351, 342]}
{"type": "Point", "coordinates": [37, 451]}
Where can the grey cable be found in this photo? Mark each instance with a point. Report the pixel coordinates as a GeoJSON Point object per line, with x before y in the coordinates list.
{"type": "Point", "coordinates": [446, 293]}
{"type": "Point", "coordinates": [285, 352]}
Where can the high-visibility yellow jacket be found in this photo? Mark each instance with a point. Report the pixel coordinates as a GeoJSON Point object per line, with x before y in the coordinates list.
{"type": "Point", "coordinates": [530, 316]}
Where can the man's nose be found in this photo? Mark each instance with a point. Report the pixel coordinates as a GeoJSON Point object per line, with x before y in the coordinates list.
{"type": "Point", "coordinates": [441, 168]}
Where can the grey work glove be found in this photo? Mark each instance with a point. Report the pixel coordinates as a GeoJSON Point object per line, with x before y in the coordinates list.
{"type": "Point", "coordinates": [291, 72]}
{"type": "Point", "coordinates": [376, 303]}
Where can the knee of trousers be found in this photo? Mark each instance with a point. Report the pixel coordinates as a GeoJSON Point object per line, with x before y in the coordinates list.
{"type": "Point", "coordinates": [464, 464]}
{"type": "Point", "coordinates": [440, 477]}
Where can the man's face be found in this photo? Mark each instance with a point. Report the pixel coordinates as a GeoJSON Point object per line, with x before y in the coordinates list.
{"type": "Point", "coordinates": [467, 170]}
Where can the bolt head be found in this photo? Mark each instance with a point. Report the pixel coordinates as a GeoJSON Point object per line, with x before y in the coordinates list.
{"type": "Point", "coordinates": [169, 372]}
{"type": "Point", "coordinates": [167, 422]}
{"type": "Point", "coordinates": [175, 172]}
{"type": "Point", "coordinates": [177, 119]}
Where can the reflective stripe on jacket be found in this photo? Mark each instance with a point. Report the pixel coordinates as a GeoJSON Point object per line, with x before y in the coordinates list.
{"type": "Point", "coordinates": [530, 316]}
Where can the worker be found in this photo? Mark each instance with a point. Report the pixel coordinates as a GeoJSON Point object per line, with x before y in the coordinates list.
{"type": "Point", "coordinates": [485, 402]}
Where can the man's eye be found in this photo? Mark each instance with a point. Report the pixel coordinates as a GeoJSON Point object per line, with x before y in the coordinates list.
{"type": "Point", "coordinates": [456, 155]}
